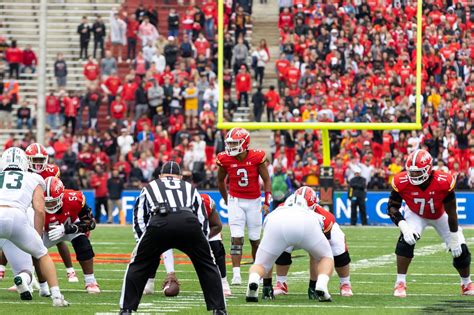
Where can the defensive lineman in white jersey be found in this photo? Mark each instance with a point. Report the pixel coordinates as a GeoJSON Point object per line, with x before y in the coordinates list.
{"type": "Point", "coordinates": [19, 189]}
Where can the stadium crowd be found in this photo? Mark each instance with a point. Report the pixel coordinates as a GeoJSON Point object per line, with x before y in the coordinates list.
{"type": "Point", "coordinates": [351, 61]}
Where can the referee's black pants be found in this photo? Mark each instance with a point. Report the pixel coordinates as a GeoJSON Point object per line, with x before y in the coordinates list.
{"type": "Point", "coordinates": [182, 231]}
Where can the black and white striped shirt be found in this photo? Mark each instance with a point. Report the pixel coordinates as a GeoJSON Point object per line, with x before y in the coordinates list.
{"type": "Point", "coordinates": [176, 193]}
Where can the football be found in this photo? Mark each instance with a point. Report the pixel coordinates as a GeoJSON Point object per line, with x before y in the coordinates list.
{"type": "Point", "coordinates": [171, 286]}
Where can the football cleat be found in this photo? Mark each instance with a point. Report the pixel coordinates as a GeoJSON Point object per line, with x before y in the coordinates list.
{"type": "Point", "coordinates": [92, 288]}
{"type": "Point", "coordinates": [149, 288]}
{"type": "Point", "coordinates": [71, 277]}
{"type": "Point", "coordinates": [44, 292]}
{"type": "Point", "coordinates": [346, 289]}
{"type": "Point", "coordinates": [280, 289]}
{"type": "Point", "coordinates": [400, 290]}
{"type": "Point", "coordinates": [252, 292]}
{"type": "Point", "coordinates": [312, 294]}
{"type": "Point", "coordinates": [12, 288]}
{"type": "Point", "coordinates": [219, 312]}
{"type": "Point", "coordinates": [322, 293]}
{"type": "Point", "coordinates": [267, 293]}
{"type": "Point", "coordinates": [226, 287]}
{"type": "Point", "coordinates": [467, 289]}
{"type": "Point", "coordinates": [22, 288]}
{"type": "Point", "coordinates": [59, 301]}
{"type": "Point", "coordinates": [236, 280]}
{"type": "Point", "coordinates": [2, 275]}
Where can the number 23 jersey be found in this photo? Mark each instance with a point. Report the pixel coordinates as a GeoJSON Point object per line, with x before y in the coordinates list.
{"type": "Point", "coordinates": [73, 202]}
{"type": "Point", "coordinates": [426, 203]}
{"type": "Point", "coordinates": [243, 175]}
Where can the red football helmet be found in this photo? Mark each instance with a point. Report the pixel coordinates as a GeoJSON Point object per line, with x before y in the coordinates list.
{"type": "Point", "coordinates": [419, 166]}
{"type": "Point", "coordinates": [237, 141]}
{"type": "Point", "coordinates": [209, 204]}
{"type": "Point", "coordinates": [308, 193]}
{"type": "Point", "coordinates": [53, 196]}
{"type": "Point", "coordinates": [37, 157]}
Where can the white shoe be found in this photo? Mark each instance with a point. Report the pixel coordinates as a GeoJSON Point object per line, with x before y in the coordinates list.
{"type": "Point", "coordinates": [59, 301]}
{"type": "Point", "coordinates": [149, 288]}
{"type": "Point", "coordinates": [44, 292]}
{"type": "Point", "coordinates": [236, 279]}
{"type": "Point", "coordinates": [71, 277]}
{"type": "Point", "coordinates": [226, 287]}
{"type": "Point", "coordinates": [252, 292]}
{"type": "Point", "coordinates": [23, 288]}
{"type": "Point", "coordinates": [34, 283]}
{"type": "Point", "coordinates": [323, 293]}
{"type": "Point", "coordinates": [93, 288]}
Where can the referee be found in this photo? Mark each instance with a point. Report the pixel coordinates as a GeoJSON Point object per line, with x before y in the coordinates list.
{"type": "Point", "coordinates": [177, 219]}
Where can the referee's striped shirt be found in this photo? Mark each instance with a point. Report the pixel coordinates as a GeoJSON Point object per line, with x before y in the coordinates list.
{"type": "Point", "coordinates": [177, 193]}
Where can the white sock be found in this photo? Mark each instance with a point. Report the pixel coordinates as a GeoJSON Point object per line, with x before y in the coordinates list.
{"type": "Point", "coordinates": [89, 279]}
{"type": "Point", "coordinates": [150, 281]}
{"type": "Point", "coordinates": [236, 270]}
{"type": "Point", "coordinates": [44, 286]}
{"type": "Point", "coordinates": [282, 279]}
{"type": "Point", "coordinates": [69, 270]}
{"type": "Point", "coordinates": [322, 281]}
{"type": "Point", "coordinates": [2, 268]}
{"type": "Point", "coordinates": [345, 280]}
{"type": "Point", "coordinates": [168, 260]}
{"type": "Point", "coordinates": [25, 277]}
{"type": "Point", "coordinates": [401, 278]}
{"type": "Point", "coordinates": [254, 277]}
{"type": "Point", "coordinates": [55, 293]}
{"type": "Point", "coordinates": [466, 281]}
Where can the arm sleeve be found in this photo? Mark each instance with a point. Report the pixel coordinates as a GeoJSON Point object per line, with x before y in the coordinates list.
{"type": "Point", "coordinates": [394, 204]}
{"type": "Point", "coordinates": [198, 206]}
{"type": "Point", "coordinates": [141, 215]}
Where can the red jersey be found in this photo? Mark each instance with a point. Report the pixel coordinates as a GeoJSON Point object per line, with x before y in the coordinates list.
{"type": "Point", "coordinates": [328, 218]}
{"type": "Point", "coordinates": [243, 175]}
{"type": "Point", "coordinates": [50, 170]}
{"type": "Point", "coordinates": [208, 204]}
{"type": "Point", "coordinates": [91, 71]}
{"type": "Point", "coordinates": [73, 202]}
{"type": "Point", "coordinates": [426, 203]}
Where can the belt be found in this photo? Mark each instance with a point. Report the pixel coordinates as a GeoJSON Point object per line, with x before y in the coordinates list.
{"type": "Point", "coordinates": [167, 210]}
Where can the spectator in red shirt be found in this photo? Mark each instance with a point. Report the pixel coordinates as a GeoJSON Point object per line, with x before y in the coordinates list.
{"type": "Point", "coordinates": [14, 57]}
{"type": "Point", "coordinates": [112, 87]}
{"type": "Point", "coordinates": [243, 85]}
{"type": "Point", "coordinates": [286, 19]}
{"type": "Point", "coordinates": [132, 36]}
{"type": "Point", "coordinates": [272, 100]}
{"type": "Point", "coordinates": [71, 107]}
{"type": "Point", "coordinates": [128, 94]}
{"type": "Point", "coordinates": [91, 70]}
{"type": "Point", "coordinates": [60, 147]}
{"type": "Point", "coordinates": [118, 110]}
{"type": "Point", "coordinates": [209, 8]}
{"type": "Point", "coordinates": [29, 60]}
{"type": "Point", "coordinates": [52, 110]}
{"type": "Point", "coordinates": [99, 183]}
{"type": "Point", "coordinates": [202, 46]}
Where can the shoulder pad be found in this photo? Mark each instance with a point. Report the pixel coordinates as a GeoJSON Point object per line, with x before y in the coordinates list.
{"type": "Point", "coordinates": [445, 180]}
{"type": "Point", "coordinates": [259, 155]}
{"type": "Point", "coordinates": [399, 181]}
{"type": "Point", "coordinates": [221, 158]}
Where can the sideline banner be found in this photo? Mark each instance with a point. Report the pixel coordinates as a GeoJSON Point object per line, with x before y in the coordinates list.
{"type": "Point", "coordinates": [376, 206]}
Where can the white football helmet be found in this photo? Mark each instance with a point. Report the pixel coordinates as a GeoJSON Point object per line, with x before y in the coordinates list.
{"type": "Point", "coordinates": [14, 158]}
{"type": "Point", "coordinates": [297, 200]}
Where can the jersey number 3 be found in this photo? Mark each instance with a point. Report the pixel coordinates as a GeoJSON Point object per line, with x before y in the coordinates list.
{"type": "Point", "coordinates": [422, 203]}
{"type": "Point", "coordinates": [12, 180]}
{"type": "Point", "coordinates": [244, 178]}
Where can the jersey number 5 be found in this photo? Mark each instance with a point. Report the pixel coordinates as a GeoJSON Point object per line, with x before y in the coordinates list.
{"type": "Point", "coordinates": [244, 178]}
{"type": "Point", "coordinates": [422, 203]}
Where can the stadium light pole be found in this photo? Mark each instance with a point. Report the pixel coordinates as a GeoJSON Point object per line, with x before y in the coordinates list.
{"type": "Point", "coordinates": [40, 119]}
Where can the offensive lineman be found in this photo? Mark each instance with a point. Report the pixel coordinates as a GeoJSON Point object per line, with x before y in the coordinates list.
{"type": "Point", "coordinates": [19, 189]}
{"type": "Point", "coordinates": [337, 241]}
{"type": "Point", "coordinates": [430, 200]}
{"type": "Point", "coordinates": [68, 217]}
{"type": "Point", "coordinates": [243, 166]}
{"type": "Point", "coordinates": [293, 224]}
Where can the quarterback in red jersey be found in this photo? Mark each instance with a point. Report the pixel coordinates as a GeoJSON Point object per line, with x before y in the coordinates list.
{"type": "Point", "coordinates": [430, 201]}
{"type": "Point", "coordinates": [38, 163]}
{"type": "Point", "coordinates": [243, 166]}
{"type": "Point", "coordinates": [67, 218]}
{"type": "Point", "coordinates": [337, 240]}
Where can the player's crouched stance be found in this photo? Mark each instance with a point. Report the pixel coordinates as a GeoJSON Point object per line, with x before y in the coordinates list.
{"type": "Point", "coordinates": [430, 201]}
{"type": "Point", "coordinates": [295, 225]}
{"type": "Point", "coordinates": [68, 217]}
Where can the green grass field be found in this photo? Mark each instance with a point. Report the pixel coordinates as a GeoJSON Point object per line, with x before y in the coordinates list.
{"type": "Point", "coordinates": [433, 286]}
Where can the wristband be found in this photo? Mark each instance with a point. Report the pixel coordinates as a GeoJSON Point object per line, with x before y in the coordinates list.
{"type": "Point", "coordinates": [268, 198]}
{"type": "Point", "coordinates": [71, 229]}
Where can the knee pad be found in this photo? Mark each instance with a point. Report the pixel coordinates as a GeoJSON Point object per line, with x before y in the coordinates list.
{"type": "Point", "coordinates": [83, 248]}
{"type": "Point", "coordinates": [284, 259]}
{"type": "Point", "coordinates": [464, 260]}
{"type": "Point", "coordinates": [217, 249]}
{"type": "Point", "coordinates": [236, 249]}
{"type": "Point", "coordinates": [404, 249]}
{"type": "Point", "coordinates": [342, 260]}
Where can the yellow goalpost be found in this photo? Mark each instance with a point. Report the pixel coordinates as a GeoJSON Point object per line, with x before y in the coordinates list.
{"type": "Point", "coordinates": [324, 127]}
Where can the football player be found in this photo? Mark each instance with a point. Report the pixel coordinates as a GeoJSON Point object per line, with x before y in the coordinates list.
{"type": "Point", "coordinates": [68, 217]}
{"type": "Point", "coordinates": [337, 240]}
{"type": "Point", "coordinates": [292, 225]}
{"type": "Point", "coordinates": [38, 161]}
{"type": "Point", "coordinates": [430, 201]}
{"type": "Point", "coordinates": [243, 166]}
{"type": "Point", "coordinates": [18, 190]}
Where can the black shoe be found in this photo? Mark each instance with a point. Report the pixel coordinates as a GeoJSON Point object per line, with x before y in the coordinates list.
{"type": "Point", "coordinates": [125, 312]}
{"type": "Point", "coordinates": [322, 296]}
{"type": "Point", "coordinates": [254, 288]}
{"type": "Point", "coordinates": [267, 293]}
{"type": "Point", "coordinates": [219, 312]}
{"type": "Point", "coordinates": [312, 294]}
